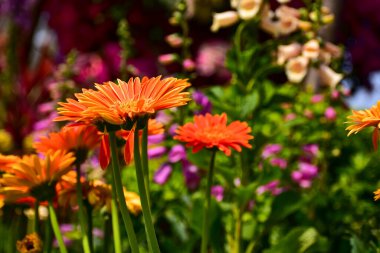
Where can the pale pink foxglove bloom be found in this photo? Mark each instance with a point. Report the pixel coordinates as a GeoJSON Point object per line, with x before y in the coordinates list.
{"type": "Point", "coordinates": [268, 23]}
{"type": "Point", "coordinates": [283, 1]}
{"type": "Point", "coordinates": [248, 9]}
{"type": "Point", "coordinates": [224, 19]}
{"type": "Point", "coordinates": [329, 77]}
{"type": "Point", "coordinates": [311, 49]}
{"type": "Point", "coordinates": [334, 50]}
{"type": "Point", "coordinates": [286, 52]}
{"type": "Point", "coordinates": [188, 64]}
{"type": "Point", "coordinates": [287, 19]}
{"type": "Point", "coordinates": [296, 69]}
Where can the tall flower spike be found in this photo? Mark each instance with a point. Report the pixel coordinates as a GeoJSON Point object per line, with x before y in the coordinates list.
{"type": "Point", "coordinates": [361, 119]}
{"type": "Point", "coordinates": [124, 102]}
{"type": "Point", "coordinates": [212, 131]}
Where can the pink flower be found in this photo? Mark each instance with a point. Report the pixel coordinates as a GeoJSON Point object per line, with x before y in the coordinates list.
{"type": "Point", "coordinates": [279, 162]}
{"type": "Point", "coordinates": [317, 98]}
{"type": "Point", "coordinates": [271, 149]}
{"type": "Point", "coordinates": [218, 192]}
{"type": "Point", "coordinates": [188, 64]}
{"type": "Point", "coordinates": [330, 113]}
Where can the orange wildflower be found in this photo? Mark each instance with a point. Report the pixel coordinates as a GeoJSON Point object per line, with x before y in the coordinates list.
{"type": "Point", "coordinates": [212, 131]}
{"type": "Point", "coordinates": [35, 177]}
{"type": "Point", "coordinates": [124, 102]}
{"type": "Point", "coordinates": [361, 119]}
{"type": "Point", "coordinates": [377, 195]}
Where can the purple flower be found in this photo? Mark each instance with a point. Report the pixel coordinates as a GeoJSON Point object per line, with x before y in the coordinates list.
{"type": "Point", "coordinates": [330, 113]}
{"type": "Point", "coordinates": [270, 187]}
{"type": "Point", "coordinates": [308, 170]}
{"type": "Point", "coordinates": [311, 149]}
{"type": "Point", "coordinates": [177, 153]}
{"type": "Point", "coordinates": [156, 152]}
{"type": "Point", "coordinates": [271, 149]}
{"type": "Point", "coordinates": [317, 98]}
{"type": "Point", "coordinates": [172, 129]}
{"type": "Point", "coordinates": [163, 117]}
{"type": "Point", "coordinates": [156, 139]}
{"type": "Point", "coordinates": [218, 192]}
{"type": "Point", "coordinates": [190, 172]}
{"type": "Point", "coordinates": [201, 99]}
{"type": "Point", "coordinates": [305, 174]}
{"type": "Point", "coordinates": [163, 173]}
{"type": "Point", "coordinates": [279, 162]}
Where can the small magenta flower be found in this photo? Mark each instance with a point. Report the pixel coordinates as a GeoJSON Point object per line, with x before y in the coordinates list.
{"type": "Point", "coordinates": [311, 149]}
{"type": "Point", "coordinates": [163, 173]}
{"type": "Point", "coordinates": [330, 113]}
{"type": "Point", "coordinates": [177, 153]}
{"type": "Point", "coordinates": [166, 59]}
{"type": "Point", "coordinates": [317, 98]}
{"type": "Point", "coordinates": [218, 192]}
{"type": "Point", "coordinates": [156, 152]}
{"type": "Point", "coordinates": [271, 187]}
{"type": "Point", "coordinates": [305, 174]}
{"type": "Point", "coordinates": [270, 150]}
{"type": "Point", "coordinates": [188, 64]}
{"type": "Point", "coordinates": [201, 99]}
{"type": "Point", "coordinates": [156, 138]}
{"type": "Point", "coordinates": [190, 172]}
{"type": "Point", "coordinates": [279, 162]}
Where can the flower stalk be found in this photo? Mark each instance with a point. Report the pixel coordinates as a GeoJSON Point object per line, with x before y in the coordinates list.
{"type": "Point", "coordinates": [145, 164]}
{"type": "Point", "coordinates": [117, 185]}
{"type": "Point", "coordinates": [56, 229]}
{"type": "Point", "coordinates": [115, 222]}
{"type": "Point", "coordinates": [149, 228]}
{"type": "Point", "coordinates": [81, 213]}
{"type": "Point", "coordinates": [206, 210]}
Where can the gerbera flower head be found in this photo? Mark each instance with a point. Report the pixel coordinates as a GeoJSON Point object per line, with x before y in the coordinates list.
{"type": "Point", "coordinates": [212, 131]}
{"type": "Point", "coordinates": [124, 103]}
{"type": "Point", "coordinates": [35, 177]}
{"type": "Point", "coordinates": [78, 139]}
{"type": "Point", "coordinates": [361, 119]}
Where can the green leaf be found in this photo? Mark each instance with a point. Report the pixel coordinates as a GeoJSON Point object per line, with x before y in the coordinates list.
{"type": "Point", "coordinates": [285, 204]}
{"type": "Point", "coordinates": [299, 240]}
{"type": "Point", "coordinates": [249, 104]}
{"type": "Point", "coordinates": [357, 245]}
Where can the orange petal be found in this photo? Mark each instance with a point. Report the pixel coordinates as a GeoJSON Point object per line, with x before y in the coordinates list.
{"type": "Point", "coordinates": [375, 138]}
{"type": "Point", "coordinates": [128, 149]}
{"type": "Point", "coordinates": [104, 154]}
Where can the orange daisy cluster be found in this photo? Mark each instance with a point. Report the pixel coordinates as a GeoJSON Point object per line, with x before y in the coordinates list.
{"type": "Point", "coordinates": [212, 131]}
{"type": "Point", "coordinates": [70, 138]}
{"type": "Point", "coordinates": [33, 176]}
{"type": "Point", "coordinates": [124, 102]}
{"type": "Point", "coordinates": [361, 119]}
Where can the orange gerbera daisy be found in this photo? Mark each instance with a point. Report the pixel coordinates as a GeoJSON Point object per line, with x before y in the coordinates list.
{"type": "Point", "coordinates": [124, 102]}
{"type": "Point", "coordinates": [79, 139]}
{"type": "Point", "coordinates": [212, 131]}
{"type": "Point", "coordinates": [366, 118]}
{"type": "Point", "coordinates": [35, 177]}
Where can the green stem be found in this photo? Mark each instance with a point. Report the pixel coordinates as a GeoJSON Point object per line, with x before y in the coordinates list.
{"type": "Point", "coordinates": [90, 225]}
{"type": "Point", "coordinates": [238, 231]}
{"type": "Point", "coordinates": [206, 210]}
{"type": "Point", "coordinates": [115, 222]}
{"type": "Point", "coordinates": [36, 217]}
{"type": "Point", "coordinates": [149, 228]}
{"type": "Point", "coordinates": [57, 231]}
{"type": "Point", "coordinates": [47, 239]}
{"type": "Point", "coordinates": [81, 213]}
{"type": "Point", "coordinates": [145, 164]}
{"type": "Point", "coordinates": [117, 185]}
{"type": "Point", "coordinates": [107, 233]}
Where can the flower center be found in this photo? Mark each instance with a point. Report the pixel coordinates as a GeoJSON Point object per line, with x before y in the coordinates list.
{"type": "Point", "coordinates": [126, 108]}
